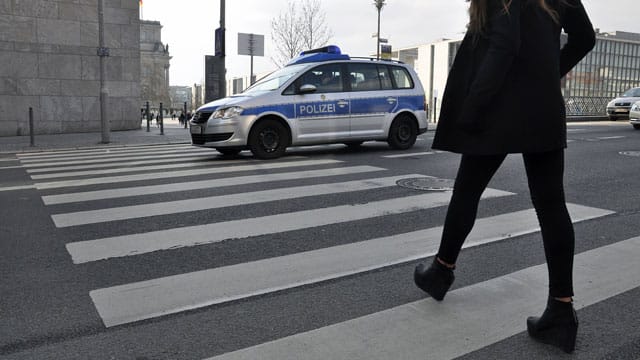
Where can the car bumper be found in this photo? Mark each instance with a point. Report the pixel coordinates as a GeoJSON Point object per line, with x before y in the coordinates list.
{"type": "Point", "coordinates": [215, 133]}
{"type": "Point", "coordinates": [618, 111]}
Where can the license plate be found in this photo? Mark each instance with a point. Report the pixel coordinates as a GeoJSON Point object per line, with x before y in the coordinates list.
{"type": "Point", "coordinates": [196, 129]}
{"type": "Point", "coordinates": [621, 110]}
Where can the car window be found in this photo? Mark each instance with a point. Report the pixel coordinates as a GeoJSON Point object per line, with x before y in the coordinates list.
{"type": "Point", "coordinates": [365, 77]}
{"type": "Point", "coordinates": [385, 77]}
{"type": "Point", "coordinates": [632, 93]}
{"type": "Point", "coordinates": [326, 78]}
{"type": "Point", "coordinates": [274, 80]}
{"type": "Point", "coordinates": [401, 77]}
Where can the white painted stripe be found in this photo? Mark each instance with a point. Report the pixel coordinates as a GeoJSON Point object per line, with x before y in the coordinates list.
{"type": "Point", "coordinates": [98, 151]}
{"type": "Point", "coordinates": [479, 315]}
{"type": "Point", "coordinates": [611, 137]}
{"type": "Point", "coordinates": [22, 187]}
{"type": "Point", "coordinates": [113, 158]}
{"type": "Point", "coordinates": [127, 245]}
{"type": "Point", "coordinates": [410, 154]}
{"type": "Point", "coordinates": [126, 169]}
{"type": "Point", "coordinates": [34, 170]}
{"type": "Point", "coordinates": [128, 303]}
{"type": "Point", "coordinates": [108, 153]}
{"type": "Point", "coordinates": [10, 167]}
{"type": "Point", "coordinates": [203, 184]}
{"type": "Point", "coordinates": [216, 202]}
{"type": "Point", "coordinates": [183, 173]}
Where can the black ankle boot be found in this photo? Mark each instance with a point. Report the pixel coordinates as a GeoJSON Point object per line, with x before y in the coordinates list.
{"type": "Point", "coordinates": [434, 280]}
{"type": "Point", "coordinates": [557, 326]}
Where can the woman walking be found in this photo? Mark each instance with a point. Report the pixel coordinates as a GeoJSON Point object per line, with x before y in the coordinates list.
{"type": "Point", "coordinates": [503, 96]}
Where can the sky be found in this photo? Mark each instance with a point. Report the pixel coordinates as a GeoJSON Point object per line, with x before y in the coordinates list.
{"type": "Point", "coordinates": [188, 27]}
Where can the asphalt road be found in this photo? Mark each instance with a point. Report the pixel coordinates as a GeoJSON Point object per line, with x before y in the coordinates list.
{"type": "Point", "coordinates": [174, 252]}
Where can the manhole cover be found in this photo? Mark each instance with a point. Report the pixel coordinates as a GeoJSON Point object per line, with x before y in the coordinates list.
{"type": "Point", "coordinates": [630, 153]}
{"type": "Point", "coordinates": [426, 184]}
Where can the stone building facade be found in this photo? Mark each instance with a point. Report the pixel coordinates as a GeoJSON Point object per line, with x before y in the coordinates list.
{"type": "Point", "coordinates": [48, 52]}
{"type": "Point", "coordinates": [179, 96]}
{"type": "Point", "coordinates": [154, 67]}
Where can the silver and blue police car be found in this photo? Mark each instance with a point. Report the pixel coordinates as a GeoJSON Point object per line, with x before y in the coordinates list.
{"type": "Point", "coordinates": [320, 97]}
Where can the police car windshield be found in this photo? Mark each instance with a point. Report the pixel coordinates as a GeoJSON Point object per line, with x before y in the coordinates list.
{"type": "Point", "coordinates": [274, 80]}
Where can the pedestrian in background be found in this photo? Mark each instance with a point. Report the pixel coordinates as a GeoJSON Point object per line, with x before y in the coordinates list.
{"type": "Point", "coordinates": [503, 96]}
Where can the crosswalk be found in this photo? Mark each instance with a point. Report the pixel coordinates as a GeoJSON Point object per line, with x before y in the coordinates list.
{"type": "Point", "coordinates": [122, 186]}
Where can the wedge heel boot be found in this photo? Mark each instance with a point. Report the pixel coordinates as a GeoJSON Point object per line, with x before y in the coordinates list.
{"type": "Point", "coordinates": [557, 326]}
{"type": "Point", "coordinates": [434, 280]}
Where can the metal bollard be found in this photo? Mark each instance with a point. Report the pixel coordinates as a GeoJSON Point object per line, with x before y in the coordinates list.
{"type": "Point", "coordinates": [184, 113]}
{"type": "Point", "coordinates": [148, 116]}
{"type": "Point", "coordinates": [161, 118]}
{"type": "Point", "coordinates": [31, 134]}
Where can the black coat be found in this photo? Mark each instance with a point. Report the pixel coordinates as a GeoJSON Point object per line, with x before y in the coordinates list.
{"type": "Point", "coordinates": [503, 91]}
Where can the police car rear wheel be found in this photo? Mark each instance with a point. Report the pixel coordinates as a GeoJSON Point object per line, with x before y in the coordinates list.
{"type": "Point", "coordinates": [403, 133]}
{"type": "Point", "coordinates": [268, 139]}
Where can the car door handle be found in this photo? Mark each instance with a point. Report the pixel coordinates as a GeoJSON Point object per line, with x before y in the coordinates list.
{"type": "Point", "coordinates": [391, 100]}
{"type": "Point", "coordinates": [342, 103]}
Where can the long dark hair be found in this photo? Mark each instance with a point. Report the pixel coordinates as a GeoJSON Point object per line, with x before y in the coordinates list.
{"type": "Point", "coordinates": [478, 10]}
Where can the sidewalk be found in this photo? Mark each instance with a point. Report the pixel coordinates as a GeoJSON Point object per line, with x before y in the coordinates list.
{"type": "Point", "coordinates": [173, 134]}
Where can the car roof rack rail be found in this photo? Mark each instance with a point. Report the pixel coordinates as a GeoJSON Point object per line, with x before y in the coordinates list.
{"type": "Point", "coordinates": [374, 59]}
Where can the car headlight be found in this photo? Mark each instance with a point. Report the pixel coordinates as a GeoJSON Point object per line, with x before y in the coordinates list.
{"type": "Point", "coordinates": [227, 113]}
{"type": "Point", "coordinates": [635, 107]}
{"type": "Point", "coordinates": [611, 103]}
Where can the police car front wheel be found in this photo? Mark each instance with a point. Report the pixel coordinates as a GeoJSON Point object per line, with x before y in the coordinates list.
{"type": "Point", "coordinates": [403, 132]}
{"type": "Point", "coordinates": [268, 139]}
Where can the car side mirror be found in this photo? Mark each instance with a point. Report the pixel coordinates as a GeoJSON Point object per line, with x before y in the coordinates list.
{"type": "Point", "coordinates": [307, 89]}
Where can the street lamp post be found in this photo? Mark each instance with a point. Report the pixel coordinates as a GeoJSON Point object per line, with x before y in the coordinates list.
{"type": "Point", "coordinates": [379, 4]}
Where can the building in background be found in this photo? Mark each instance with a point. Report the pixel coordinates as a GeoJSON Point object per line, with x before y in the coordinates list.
{"type": "Point", "coordinates": [154, 67]}
{"type": "Point", "coordinates": [612, 67]}
{"type": "Point", "coordinates": [49, 62]}
{"type": "Point", "coordinates": [197, 93]}
{"type": "Point", "coordinates": [179, 96]}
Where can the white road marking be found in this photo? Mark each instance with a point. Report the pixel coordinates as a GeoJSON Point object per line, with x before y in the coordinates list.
{"type": "Point", "coordinates": [139, 168]}
{"type": "Point", "coordinates": [215, 202]}
{"type": "Point", "coordinates": [480, 315]}
{"type": "Point", "coordinates": [128, 303]}
{"type": "Point", "coordinates": [203, 184]}
{"type": "Point", "coordinates": [99, 151]}
{"type": "Point", "coordinates": [128, 245]}
{"type": "Point", "coordinates": [190, 157]}
{"type": "Point", "coordinates": [411, 154]}
{"type": "Point", "coordinates": [20, 187]}
{"type": "Point", "coordinates": [183, 173]}
{"type": "Point", "coordinates": [183, 154]}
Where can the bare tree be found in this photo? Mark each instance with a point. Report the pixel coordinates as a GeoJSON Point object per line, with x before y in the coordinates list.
{"type": "Point", "coordinates": [315, 32]}
{"type": "Point", "coordinates": [298, 29]}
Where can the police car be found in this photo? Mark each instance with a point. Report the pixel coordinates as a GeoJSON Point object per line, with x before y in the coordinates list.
{"type": "Point", "coordinates": [320, 97]}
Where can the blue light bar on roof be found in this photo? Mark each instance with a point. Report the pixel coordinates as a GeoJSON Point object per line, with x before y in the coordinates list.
{"type": "Point", "coordinates": [330, 49]}
{"type": "Point", "coordinates": [326, 53]}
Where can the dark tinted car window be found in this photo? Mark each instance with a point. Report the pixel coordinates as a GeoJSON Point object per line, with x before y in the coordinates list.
{"type": "Point", "coordinates": [364, 77]}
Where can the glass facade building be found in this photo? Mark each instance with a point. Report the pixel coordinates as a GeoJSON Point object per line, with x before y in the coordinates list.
{"type": "Point", "coordinates": [611, 68]}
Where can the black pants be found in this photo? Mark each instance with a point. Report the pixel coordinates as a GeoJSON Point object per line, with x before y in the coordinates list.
{"type": "Point", "coordinates": [545, 177]}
